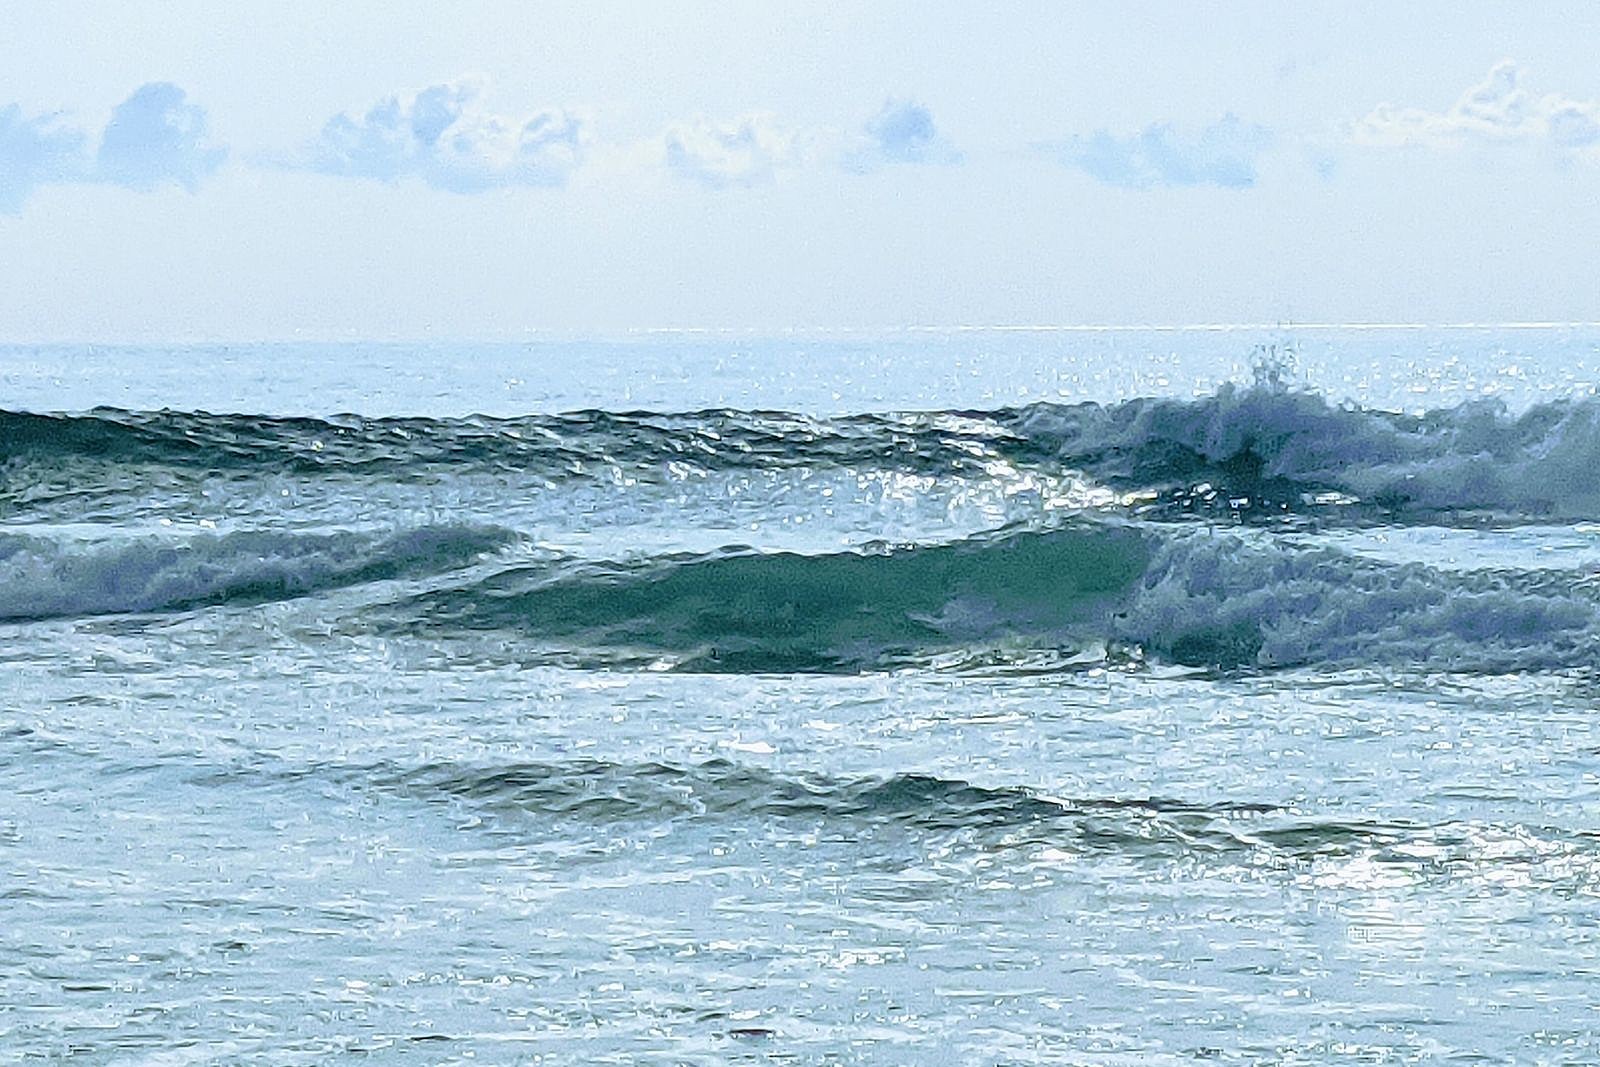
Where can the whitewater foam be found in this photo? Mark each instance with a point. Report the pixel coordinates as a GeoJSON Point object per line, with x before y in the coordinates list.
{"type": "Point", "coordinates": [1280, 443]}
{"type": "Point", "coordinates": [1222, 600]}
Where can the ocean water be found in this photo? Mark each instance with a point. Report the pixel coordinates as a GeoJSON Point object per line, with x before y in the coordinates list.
{"type": "Point", "coordinates": [1102, 697]}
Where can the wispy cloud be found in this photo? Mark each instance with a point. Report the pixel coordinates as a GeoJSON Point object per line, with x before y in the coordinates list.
{"type": "Point", "coordinates": [1497, 109]}
{"type": "Point", "coordinates": [155, 137]}
{"type": "Point", "coordinates": [446, 137]}
{"type": "Point", "coordinates": [35, 151]}
{"type": "Point", "coordinates": [1223, 154]}
{"type": "Point", "coordinates": [744, 151]}
{"type": "Point", "coordinates": [903, 131]}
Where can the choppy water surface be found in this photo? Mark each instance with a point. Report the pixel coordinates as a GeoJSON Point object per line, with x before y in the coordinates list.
{"type": "Point", "coordinates": [783, 720]}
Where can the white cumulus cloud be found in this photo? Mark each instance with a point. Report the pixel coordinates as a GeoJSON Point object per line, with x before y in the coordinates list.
{"type": "Point", "coordinates": [743, 151]}
{"type": "Point", "coordinates": [445, 136]}
{"type": "Point", "coordinates": [1498, 109]}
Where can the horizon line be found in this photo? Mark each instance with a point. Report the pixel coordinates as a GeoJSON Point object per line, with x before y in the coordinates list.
{"type": "Point", "coordinates": [823, 331]}
{"type": "Point", "coordinates": [1146, 327]}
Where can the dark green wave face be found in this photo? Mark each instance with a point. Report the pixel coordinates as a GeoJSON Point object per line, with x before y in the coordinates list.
{"type": "Point", "coordinates": [745, 611]}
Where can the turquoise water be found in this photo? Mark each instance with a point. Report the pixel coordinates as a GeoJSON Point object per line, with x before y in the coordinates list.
{"type": "Point", "coordinates": [1132, 697]}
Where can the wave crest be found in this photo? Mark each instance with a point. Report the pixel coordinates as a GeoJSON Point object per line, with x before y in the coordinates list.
{"type": "Point", "coordinates": [570, 444]}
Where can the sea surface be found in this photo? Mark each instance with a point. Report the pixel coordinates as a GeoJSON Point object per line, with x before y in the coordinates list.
{"type": "Point", "coordinates": [974, 697]}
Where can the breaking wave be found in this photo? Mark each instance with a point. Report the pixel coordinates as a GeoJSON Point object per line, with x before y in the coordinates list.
{"type": "Point", "coordinates": [1275, 447]}
{"type": "Point", "coordinates": [1192, 598]}
{"type": "Point", "coordinates": [44, 578]}
{"type": "Point", "coordinates": [1080, 593]}
{"type": "Point", "coordinates": [1103, 586]}
{"type": "Point", "coordinates": [1228, 602]}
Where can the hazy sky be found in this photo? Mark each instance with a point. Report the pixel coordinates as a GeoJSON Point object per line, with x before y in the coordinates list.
{"type": "Point", "coordinates": [406, 170]}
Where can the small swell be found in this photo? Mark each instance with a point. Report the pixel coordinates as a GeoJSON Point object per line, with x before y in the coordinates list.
{"type": "Point", "coordinates": [602, 792]}
{"type": "Point", "coordinates": [597, 791]}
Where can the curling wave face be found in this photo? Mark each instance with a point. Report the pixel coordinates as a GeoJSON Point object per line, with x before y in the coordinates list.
{"type": "Point", "coordinates": [1080, 593]}
{"type": "Point", "coordinates": [739, 610]}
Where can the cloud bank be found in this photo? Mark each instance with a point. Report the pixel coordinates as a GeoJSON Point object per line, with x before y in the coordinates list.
{"type": "Point", "coordinates": [744, 151]}
{"type": "Point", "coordinates": [1223, 154]}
{"type": "Point", "coordinates": [445, 136]}
{"type": "Point", "coordinates": [155, 137]}
{"type": "Point", "coordinates": [1497, 110]}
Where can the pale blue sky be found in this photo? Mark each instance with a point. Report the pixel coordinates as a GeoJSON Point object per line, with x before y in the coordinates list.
{"type": "Point", "coordinates": [409, 170]}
